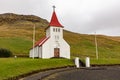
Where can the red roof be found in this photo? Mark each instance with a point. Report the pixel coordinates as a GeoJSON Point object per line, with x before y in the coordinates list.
{"type": "Point", "coordinates": [41, 41]}
{"type": "Point", "coordinates": [54, 21]}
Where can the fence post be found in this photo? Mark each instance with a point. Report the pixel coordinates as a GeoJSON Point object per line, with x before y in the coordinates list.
{"type": "Point", "coordinates": [87, 61]}
{"type": "Point", "coordinates": [77, 62]}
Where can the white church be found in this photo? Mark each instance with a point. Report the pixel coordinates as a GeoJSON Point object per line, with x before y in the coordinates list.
{"type": "Point", "coordinates": [53, 44]}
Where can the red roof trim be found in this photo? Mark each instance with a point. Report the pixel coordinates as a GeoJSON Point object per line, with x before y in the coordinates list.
{"type": "Point", "coordinates": [41, 41]}
{"type": "Point", "coordinates": [54, 21]}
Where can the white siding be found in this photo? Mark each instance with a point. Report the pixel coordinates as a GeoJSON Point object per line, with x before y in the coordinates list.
{"type": "Point", "coordinates": [30, 53]}
{"type": "Point", "coordinates": [49, 45]}
{"type": "Point", "coordinates": [35, 54]}
{"type": "Point", "coordinates": [52, 33]}
{"type": "Point", "coordinates": [46, 49]}
{"type": "Point", "coordinates": [65, 49]}
{"type": "Point", "coordinates": [40, 52]}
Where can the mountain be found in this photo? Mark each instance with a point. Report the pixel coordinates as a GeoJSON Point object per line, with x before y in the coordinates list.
{"type": "Point", "coordinates": [11, 18]}
{"type": "Point", "coordinates": [16, 35]}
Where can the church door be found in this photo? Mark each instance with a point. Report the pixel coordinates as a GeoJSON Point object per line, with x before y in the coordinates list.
{"type": "Point", "coordinates": [56, 52]}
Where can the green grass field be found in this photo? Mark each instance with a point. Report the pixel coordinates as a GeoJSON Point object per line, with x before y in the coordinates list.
{"type": "Point", "coordinates": [13, 67]}
{"type": "Point", "coordinates": [105, 61]}
{"type": "Point", "coordinates": [81, 45]}
{"type": "Point", "coordinates": [16, 45]}
{"type": "Point", "coordinates": [84, 45]}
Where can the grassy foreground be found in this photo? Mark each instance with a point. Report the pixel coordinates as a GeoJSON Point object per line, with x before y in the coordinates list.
{"type": "Point", "coordinates": [13, 67]}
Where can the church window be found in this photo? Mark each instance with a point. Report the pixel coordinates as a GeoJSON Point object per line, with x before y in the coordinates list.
{"type": "Point", "coordinates": [53, 29]}
{"type": "Point", "coordinates": [56, 37]}
{"type": "Point", "coordinates": [58, 29]}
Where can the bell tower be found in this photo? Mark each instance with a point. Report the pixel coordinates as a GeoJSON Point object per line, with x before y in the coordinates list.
{"type": "Point", "coordinates": [55, 29]}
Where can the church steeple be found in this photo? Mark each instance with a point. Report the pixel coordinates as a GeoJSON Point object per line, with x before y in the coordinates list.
{"type": "Point", "coordinates": [54, 20]}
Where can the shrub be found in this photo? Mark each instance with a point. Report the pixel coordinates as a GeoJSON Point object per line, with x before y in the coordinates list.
{"type": "Point", "coordinates": [5, 52]}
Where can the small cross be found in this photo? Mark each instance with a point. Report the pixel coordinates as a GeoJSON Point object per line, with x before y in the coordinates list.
{"type": "Point", "coordinates": [54, 8]}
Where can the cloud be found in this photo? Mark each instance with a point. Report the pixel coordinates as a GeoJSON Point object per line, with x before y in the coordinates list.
{"type": "Point", "coordinates": [98, 16]}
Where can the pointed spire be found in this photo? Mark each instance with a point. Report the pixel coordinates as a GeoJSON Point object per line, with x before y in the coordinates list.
{"type": "Point", "coordinates": [54, 20]}
{"type": "Point", "coordinates": [54, 8]}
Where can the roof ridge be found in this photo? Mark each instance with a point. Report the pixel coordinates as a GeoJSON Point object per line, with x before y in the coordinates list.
{"type": "Point", "coordinates": [41, 41]}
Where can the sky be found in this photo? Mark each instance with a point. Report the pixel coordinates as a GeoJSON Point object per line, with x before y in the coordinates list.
{"type": "Point", "coordinates": [81, 16]}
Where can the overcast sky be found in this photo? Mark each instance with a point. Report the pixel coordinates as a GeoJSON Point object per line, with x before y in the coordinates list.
{"type": "Point", "coordinates": [82, 16]}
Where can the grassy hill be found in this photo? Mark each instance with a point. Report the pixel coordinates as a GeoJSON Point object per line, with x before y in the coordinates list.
{"type": "Point", "coordinates": [16, 35]}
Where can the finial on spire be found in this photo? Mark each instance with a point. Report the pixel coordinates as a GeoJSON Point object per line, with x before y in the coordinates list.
{"type": "Point", "coordinates": [54, 7]}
